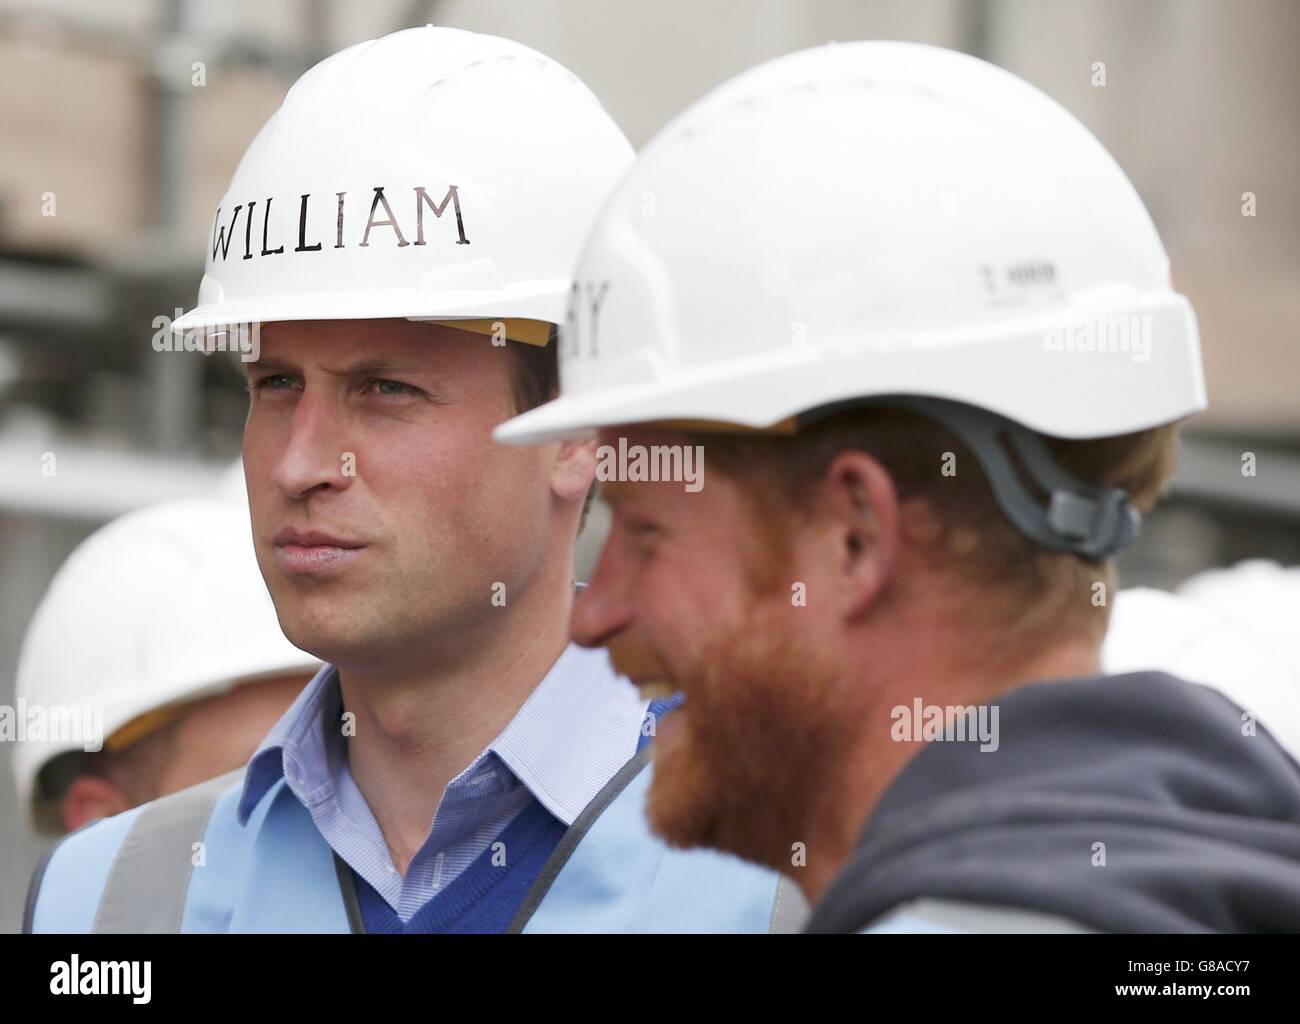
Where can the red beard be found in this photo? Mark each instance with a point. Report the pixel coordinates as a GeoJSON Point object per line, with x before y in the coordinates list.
{"type": "Point", "coordinates": [738, 767]}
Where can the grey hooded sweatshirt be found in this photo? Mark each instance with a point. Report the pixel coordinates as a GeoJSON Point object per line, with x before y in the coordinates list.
{"type": "Point", "coordinates": [1128, 803]}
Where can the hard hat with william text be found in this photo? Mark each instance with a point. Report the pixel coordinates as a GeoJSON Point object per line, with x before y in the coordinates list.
{"type": "Point", "coordinates": [430, 174]}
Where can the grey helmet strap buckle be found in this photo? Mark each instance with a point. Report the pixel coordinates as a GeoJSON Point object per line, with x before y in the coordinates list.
{"type": "Point", "coordinates": [1091, 522]}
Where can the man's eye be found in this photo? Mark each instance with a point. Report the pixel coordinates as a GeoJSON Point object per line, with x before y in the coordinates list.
{"type": "Point", "coordinates": [392, 388]}
{"type": "Point", "coordinates": [272, 382]}
{"type": "Point", "coordinates": [643, 533]}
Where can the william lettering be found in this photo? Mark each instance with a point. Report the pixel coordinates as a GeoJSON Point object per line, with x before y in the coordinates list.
{"type": "Point", "coordinates": [382, 215]}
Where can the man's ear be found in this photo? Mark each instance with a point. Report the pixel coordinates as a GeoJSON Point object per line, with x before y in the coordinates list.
{"type": "Point", "coordinates": [90, 797]}
{"type": "Point", "coordinates": [859, 508]}
{"type": "Point", "coordinates": [574, 469]}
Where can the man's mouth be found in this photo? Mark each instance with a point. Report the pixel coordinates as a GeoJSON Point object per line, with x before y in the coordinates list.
{"type": "Point", "coordinates": [314, 552]}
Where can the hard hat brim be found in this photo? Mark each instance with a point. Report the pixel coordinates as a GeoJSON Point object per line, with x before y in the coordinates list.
{"type": "Point", "coordinates": [1011, 373]}
{"type": "Point", "coordinates": [538, 300]}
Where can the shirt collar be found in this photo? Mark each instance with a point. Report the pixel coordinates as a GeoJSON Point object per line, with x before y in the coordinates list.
{"type": "Point", "coordinates": [297, 739]}
{"type": "Point", "coordinates": [577, 728]}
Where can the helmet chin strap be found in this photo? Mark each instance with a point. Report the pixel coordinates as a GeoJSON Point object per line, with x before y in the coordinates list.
{"type": "Point", "coordinates": [1091, 522]}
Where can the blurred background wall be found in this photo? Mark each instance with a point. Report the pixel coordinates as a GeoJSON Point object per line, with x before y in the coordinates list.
{"type": "Point", "coordinates": [121, 123]}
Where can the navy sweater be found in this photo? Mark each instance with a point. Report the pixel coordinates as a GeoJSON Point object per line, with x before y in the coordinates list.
{"type": "Point", "coordinates": [483, 897]}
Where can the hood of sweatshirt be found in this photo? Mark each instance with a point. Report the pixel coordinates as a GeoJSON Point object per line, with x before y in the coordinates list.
{"type": "Point", "coordinates": [1126, 803]}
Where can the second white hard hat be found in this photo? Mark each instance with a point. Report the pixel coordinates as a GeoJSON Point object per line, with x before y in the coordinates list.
{"type": "Point", "coordinates": [1155, 630]}
{"type": "Point", "coordinates": [1262, 599]}
{"type": "Point", "coordinates": [430, 174]}
{"type": "Point", "coordinates": [874, 219]}
{"type": "Point", "coordinates": [162, 606]}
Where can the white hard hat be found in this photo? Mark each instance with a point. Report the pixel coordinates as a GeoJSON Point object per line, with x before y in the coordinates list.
{"type": "Point", "coordinates": [432, 173]}
{"type": "Point", "coordinates": [1262, 599]}
{"type": "Point", "coordinates": [232, 486]}
{"type": "Point", "coordinates": [162, 606]}
{"type": "Point", "coordinates": [874, 219]}
{"type": "Point", "coordinates": [1153, 629]}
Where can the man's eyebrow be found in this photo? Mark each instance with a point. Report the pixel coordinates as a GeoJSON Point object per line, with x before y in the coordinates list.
{"type": "Point", "coordinates": [264, 363]}
{"type": "Point", "coordinates": [379, 365]}
{"type": "Point", "coordinates": [362, 365]}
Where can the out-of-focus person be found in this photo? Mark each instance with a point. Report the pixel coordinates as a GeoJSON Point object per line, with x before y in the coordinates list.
{"type": "Point", "coordinates": [153, 662]}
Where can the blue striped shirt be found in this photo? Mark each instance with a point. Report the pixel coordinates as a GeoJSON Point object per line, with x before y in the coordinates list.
{"type": "Point", "coordinates": [577, 728]}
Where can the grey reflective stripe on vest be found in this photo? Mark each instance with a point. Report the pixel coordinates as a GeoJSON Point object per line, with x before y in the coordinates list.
{"type": "Point", "coordinates": [983, 918]}
{"type": "Point", "coordinates": [348, 889]}
{"type": "Point", "coordinates": [150, 876]}
{"type": "Point", "coordinates": [573, 835]}
{"type": "Point", "coordinates": [789, 909]}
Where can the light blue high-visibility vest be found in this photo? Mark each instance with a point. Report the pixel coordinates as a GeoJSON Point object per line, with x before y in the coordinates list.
{"type": "Point", "coordinates": [184, 863]}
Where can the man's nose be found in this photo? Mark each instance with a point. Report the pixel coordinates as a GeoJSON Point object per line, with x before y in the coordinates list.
{"type": "Point", "coordinates": [316, 454]}
{"type": "Point", "coordinates": [602, 609]}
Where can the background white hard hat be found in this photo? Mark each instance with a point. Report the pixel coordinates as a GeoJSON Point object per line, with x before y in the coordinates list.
{"type": "Point", "coordinates": [1262, 599]}
{"type": "Point", "coordinates": [162, 606]}
{"type": "Point", "coordinates": [528, 147]}
{"type": "Point", "coordinates": [1154, 629]}
{"type": "Point", "coordinates": [869, 219]}
{"type": "Point", "coordinates": [232, 486]}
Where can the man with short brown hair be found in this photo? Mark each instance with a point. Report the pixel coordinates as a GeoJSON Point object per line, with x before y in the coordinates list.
{"type": "Point", "coordinates": [458, 765]}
